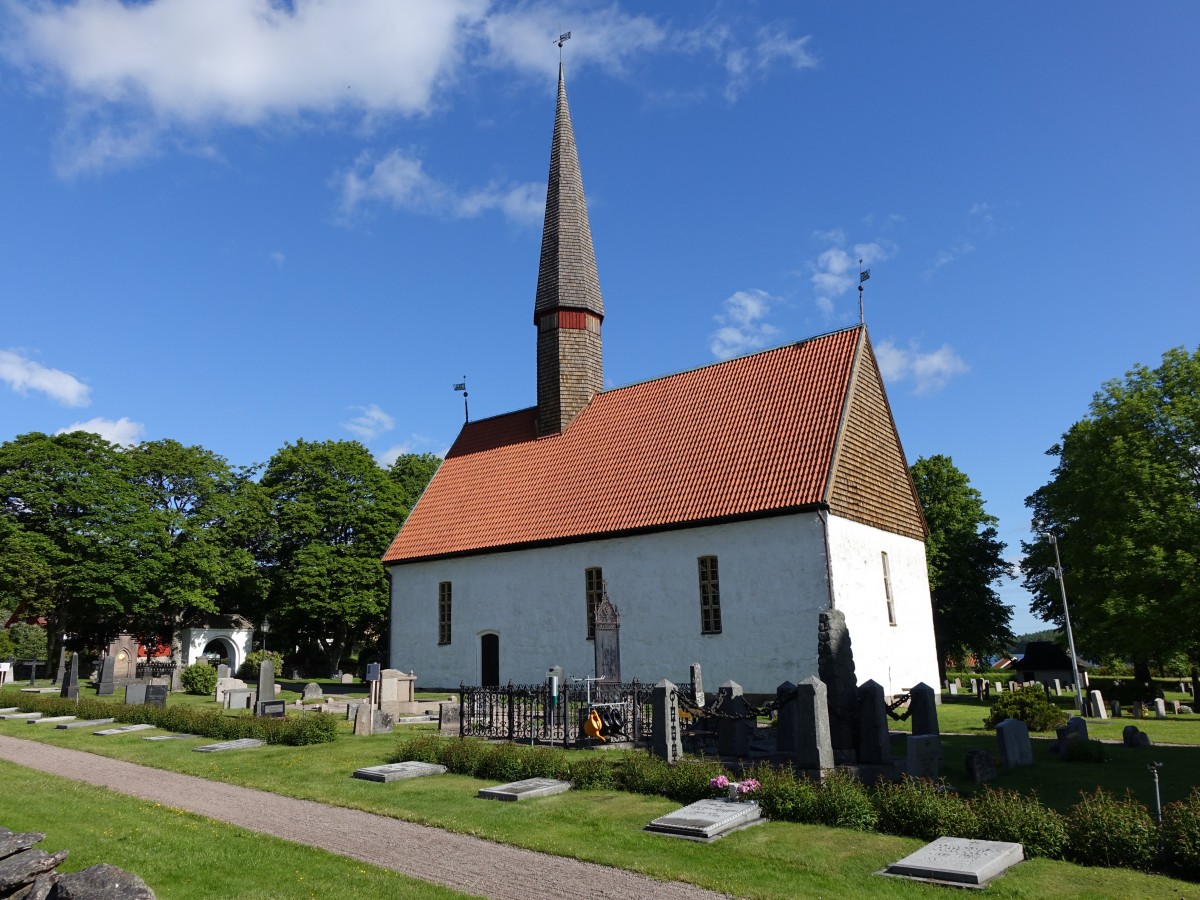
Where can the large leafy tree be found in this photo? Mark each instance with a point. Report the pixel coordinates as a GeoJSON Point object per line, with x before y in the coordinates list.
{"type": "Point", "coordinates": [966, 561]}
{"type": "Point", "coordinates": [1124, 504]}
{"type": "Point", "coordinates": [412, 472]}
{"type": "Point", "coordinates": [335, 513]}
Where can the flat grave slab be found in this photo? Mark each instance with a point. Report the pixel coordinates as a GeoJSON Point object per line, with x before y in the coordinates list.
{"type": "Point", "coordinates": [242, 744]}
{"type": "Point", "coordinates": [170, 737]}
{"type": "Point", "coordinates": [125, 729]}
{"type": "Point", "coordinates": [8, 709]}
{"type": "Point", "coordinates": [46, 719]}
{"type": "Point", "coordinates": [958, 861]}
{"type": "Point", "coordinates": [526, 789]}
{"type": "Point", "coordinates": [21, 715]}
{"type": "Point", "coordinates": [85, 723]}
{"type": "Point", "coordinates": [398, 771]}
{"type": "Point", "coordinates": [28, 690]}
{"type": "Point", "coordinates": [708, 820]}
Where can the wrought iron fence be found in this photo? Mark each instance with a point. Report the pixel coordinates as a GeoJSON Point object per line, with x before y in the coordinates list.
{"type": "Point", "coordinates": [527, 713]}
{"type": "Point", "coordinates": [155, 669]}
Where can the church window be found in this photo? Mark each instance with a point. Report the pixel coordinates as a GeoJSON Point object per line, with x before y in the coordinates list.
{"type": "Point", "coordinates": [444, 613]}
{"type": "Point", "coordinates": [710, 596]}
{"type": "Point", "coordinates": [593, 590]}
{"type": "Point", "coordinates": [887, 589]}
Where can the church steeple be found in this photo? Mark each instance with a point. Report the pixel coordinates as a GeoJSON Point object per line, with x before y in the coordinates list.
{"type": "Point", "coordinates": [568, 308]}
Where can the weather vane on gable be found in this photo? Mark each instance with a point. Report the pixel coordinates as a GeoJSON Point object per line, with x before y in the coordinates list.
{"type": "Point", "coordinates": [462, 386]}
{"type": "Point", "coordinates": [863, 275]}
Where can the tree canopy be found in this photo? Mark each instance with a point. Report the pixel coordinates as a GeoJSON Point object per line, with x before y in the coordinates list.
{"type": "Point", "coordinates": [1124, 503]}
{"type": "Point", "coordinates": [965, 561]}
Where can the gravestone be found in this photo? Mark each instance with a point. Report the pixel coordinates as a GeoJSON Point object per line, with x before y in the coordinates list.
{"type": "Point", "coordinates": [1015, 748]}
{"type": "Point", "coordinates": [999, 687]}
{"type": "Point", "coordinates": [449, 718]}
{"type": "Point", "coordinates": [959, 861]}
{"type": "Point", "coordinates": [239, 698]}
{"type": "Point", "coordinates": [981, 766]}
{"type": "Point", "coordinates": [312, 691]}
{"type": "Point", "coordinates": [241, 744]}
{"type": "Point", "coordinates": [124, 729]}
{"type": "Point", "coordinates": [70, 685]}
{"type": "Point", "coordinates": [364, 720]}
{"type": "Point", "coordinates": [922, 709]}
{"type": "Point", "coordinates": [398, 771]}
{"type": "Point", "coordinates": [953, 689]}
{"type": "Point", "coordinates": [87, 723]}
{"type": "Point", "coordinates": [227, 684]}
{"type": "Point", "coordinates": [62, 668]}
{"type": "Point", "coordinates": [266, 686]}
{"type": "Point", "coordinates": [813, 743]}
{"type": "Point", "coordinates": [396, 693]}
{"type": "Point", "coordinates": [786, 723]}
{"type": "Point", "coordinates": [381, 722]}
{"type": "Point", "coordinates": [1096, 704]}
{"type": "Point", "coordinates": [156, 695]}
{"type": "Point", "coordinates": [733, 735]}
{"type": "Point", "coordinates": [1160, 708]}
{"type": "Point", "coordinates": [606, 645]}
{"type": "Point", "coordinates": [835, 667]}
{"type": "Point", "coordinates": [874, 744]}
{"type": "Point", "coordinates": [1116, 709]}
{"type": "Point", "coordinates": [1138, 710]}
{"type": "Point", "coordinates": [1058, 687]}
{"type": "Point", "coordinates": [46, 720]}
{"type": "Point", "coordinates": [347, 679]}
{"type": "Point", "coordinates": [135, 694]}
{"type": "Point", "coordinates": [124, 653]}
{"type": "Point", "coordinates": [707, 820]}
{"type": "Point", "coordinates": [170, 737]}
{"type": "Point", "coordinates": [974, 685]}
{"type": "Point", "coordinates": [223, 671]}
{"type": "Point", "coordinates": [1075, 730]}
{"type": "Point", "coordinates": [275, 709]}
{"type": "Point", "coordinates": [666, 741]}
{"type": "Point", "coordinates": [1176, 706]}
{"type": "Point", "coordinates": [525, 789]}
{"type": "Point", "coordinates": [107, 685]}
{"type": "Point", "coordinates": [924, 756]}
{"type": "Point", "coordinates": [697, 680]}
{"type": "Point", "coordinates": [1132, 736]}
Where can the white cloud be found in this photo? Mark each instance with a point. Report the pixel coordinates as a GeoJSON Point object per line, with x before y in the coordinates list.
{"type": "Point", "coordinates": [928, 371]}
{"type": "Point", "coordinates": [742, 329]}
{"type": "Point", "coordinates": [121, 431]}
{"type": "Point", "coordinates": [401, 181]}
{"type": "Point", "coordinates": [835, 270]}
{"type": "Point", "coordinates": [416, 443]}
{"type": "Point", "coordinates": [746, 61]}
{"type": "Point", "coordinates": [370, 422]}
{"type": "Point", "coordinates": [24, 375]}
{"type": "Point", "coordinates": [949, 255]}
{"type": "Point", "coordinates": [278, 258]}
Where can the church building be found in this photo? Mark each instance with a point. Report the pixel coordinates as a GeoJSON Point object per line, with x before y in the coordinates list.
{"type": "Point", "coordinates": [720, 509]}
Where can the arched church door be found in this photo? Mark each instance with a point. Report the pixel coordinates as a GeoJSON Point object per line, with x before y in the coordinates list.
{"type": "Point", "coordinates": [489, 652]}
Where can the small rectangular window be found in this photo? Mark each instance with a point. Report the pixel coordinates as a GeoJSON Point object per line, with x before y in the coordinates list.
{"type": "Point", "coordinates": [887, 589]}
{"type": "Point", "coordinates": [710, 596]}
{"type": "Point", "coordinates": [593, 580]}
{"type": "Point", "coordinates": [444, 613]}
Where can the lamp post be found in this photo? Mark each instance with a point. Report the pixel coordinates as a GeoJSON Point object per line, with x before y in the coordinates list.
{"type": "Point", "coordinates": [1058, 572]}
{"type": "Point", "coordinates": [264, 628]}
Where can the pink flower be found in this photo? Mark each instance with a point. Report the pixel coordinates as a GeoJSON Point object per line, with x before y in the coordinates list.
{"type": "Point", "coordinates": [749, 786]}
{"type": "Point", "coordinates": [719, 782]}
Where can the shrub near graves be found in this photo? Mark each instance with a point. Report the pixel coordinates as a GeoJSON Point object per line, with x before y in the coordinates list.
{"type": "Point", "coordinates": [843, 802]}
{"type": "Point", "coordinates": [1105, 831]}
{"type": "Point", "coordinates": [785, 796]}
{"type": "Point", "coordinates": [1031, 706]}
{"type": "Point", "coordinates": [199, 678]}
{"type": "Point", "coordinates": [249, 669]}
{"type": "Point", "coordinates": [1002, 815]}
{"type": "Point", "coordinates": [1084, 751]}
{"type": "Point", "coordinates": [918, 807]}
{"type": "Point", "coordinates": [1181, 836]}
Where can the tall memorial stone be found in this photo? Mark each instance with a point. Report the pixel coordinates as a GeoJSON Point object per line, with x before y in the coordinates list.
{"type": "Point", "coordinates": [734, 733]}
{"type": "Point", "coordinates": [1015, 750]}
{"type": "Point", "coordinates": [124, 652]}
{"type": "Point", "coordinates": [697, 685]}
{"type": "Point", "coordinates": [922, 709]}
{"type": "Point", "coordinates": [874, 742]}
{"type": "Point", "coordinates": [666, 741]}
{"type": "Point", "coordinates": [835, 667]}
{"type": "Point", "coordinates": [107, 684]}
{"type": "Point", "coordinates": [607, 642]}
{"type": "Point", "coordinates": [70, 685]}
{"type": "Point", "coordinates": [786, 724]}
{"type": "Point", "coordinates": [813, 746]}
{"type": "Point", "coordinates": [62, 667]}
{"type": "Point", "coordinates": [266, 683]}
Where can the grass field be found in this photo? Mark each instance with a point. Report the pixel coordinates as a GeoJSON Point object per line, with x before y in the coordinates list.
{"type": "Point", "coordinates": [776, 860]}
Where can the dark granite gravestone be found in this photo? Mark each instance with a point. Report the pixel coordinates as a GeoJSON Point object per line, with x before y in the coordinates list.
{"type": "Point", "coordinates": [607, 642]}
{"type": "Point", "coordinates": [1075, 730]}
{"type": "Point", "coordinates": [266, 685]}
{"type": "Point", "coordinates": [1132, 736]}
{"type": "Point", "coordinates": [874, 743]}
{"type": "Point", "coordinates": [62, 666]}
{"type": "Point", "coordinates": [924, 756]}
{"type": "Point", "coordinates": [276, 709]}
{"type": "Point", "coordinates": [786, 724]}
{"type": "Point", "coordinates": [922, 709]}
{"type": "Point", "coordinates": [107, 685]}
{"type": "Point", "coordinates": [981, 766]}
{"type": "Point", "coordinates": [156, 695]}
{"type": "Point", "coordinates": [835, 667]}
{"type": "Point", "coordinates": [734, 734]}
{"type": "Point", "coordinates": [70, 685]}
{"type": "Point", "coordinates": [666, 740]}
{"type": "Point", "coordinates": [135, 694]}
{"type": "Point", "coordinates": [814, 747]}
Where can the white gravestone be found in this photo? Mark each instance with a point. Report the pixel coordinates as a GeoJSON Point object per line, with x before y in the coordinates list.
{"type": "Point", "coordinates": [526, 789]}
{"type": "Point", "coordinates": [398, 771]}
{"type": "Point", "coordinates": [708, 820]}
{"type": "Point", "coordinates": [959, 861]}
{"type": "Point", "coordinates": [1015, 749]}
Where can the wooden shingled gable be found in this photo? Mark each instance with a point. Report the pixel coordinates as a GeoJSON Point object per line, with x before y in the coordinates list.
{"type": "Point", "coordinates": [801, 427]}
{"type": "Point", "coordinates": [870, 481]}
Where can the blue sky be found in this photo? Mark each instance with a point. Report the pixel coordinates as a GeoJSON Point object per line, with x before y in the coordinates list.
{"type": "Point", "coordinates": [238, 223]}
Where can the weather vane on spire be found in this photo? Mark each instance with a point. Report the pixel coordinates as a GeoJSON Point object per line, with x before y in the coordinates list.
{"type": "Point", "coordinates": [562, 38]}
{"type": "Point", "coordinates": [863, 275]}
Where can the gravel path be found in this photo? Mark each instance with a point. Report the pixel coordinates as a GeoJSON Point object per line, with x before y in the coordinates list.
{"type": "Point", "coordinates": [464, 863]}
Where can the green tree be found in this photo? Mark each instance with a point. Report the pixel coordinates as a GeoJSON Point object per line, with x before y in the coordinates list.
{"type": "Point", "coordinates": [1124, 503]}
{"type": "Point", "coordinates": [335, 513]}
{"type": "Point", "coordinates": [412, 472]}
{"type": "Point", "coordinates": [965, 561]}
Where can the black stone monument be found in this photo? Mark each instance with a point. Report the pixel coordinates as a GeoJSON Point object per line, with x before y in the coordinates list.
{"type": "Point", "coordinates": [607, 643]}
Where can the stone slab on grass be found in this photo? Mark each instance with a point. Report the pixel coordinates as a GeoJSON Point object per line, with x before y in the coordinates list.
{"type": "Point", "coordinates": [21, 715]}
{"type": "Point", "coordinates": [526, 789]}
{"type": "Point", "coordinates": [125, 729]}
{"type": "Point", "coordinates": [8, 709]}
{"type": "Point", "coordinates": [46, 719]}
{"type": "Point", "coordinates": [398, 771]}
{"type": "Point", "coordinates": [170, 737]}
{"type": "Point", "coordinates": [241, 744]}
{"type": "Point", "coordinates": [958, 861]}
{"type": "Point", "coordinates": [84, 723]}
{"type": "Point", "coordinates": [708, 820]}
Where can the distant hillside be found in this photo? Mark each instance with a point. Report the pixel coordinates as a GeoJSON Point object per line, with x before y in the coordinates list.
{"type": "Point", "coordinates": [1050, 634]}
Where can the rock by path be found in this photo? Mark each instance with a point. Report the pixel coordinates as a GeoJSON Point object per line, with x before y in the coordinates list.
{"type": "Point", "coordinates": [467, 864]}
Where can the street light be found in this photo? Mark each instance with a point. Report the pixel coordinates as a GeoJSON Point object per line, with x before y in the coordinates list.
{"type": "Point", "coordinates": [1058, 572]}
{"type": "Point", "coordinates": [264, 628]}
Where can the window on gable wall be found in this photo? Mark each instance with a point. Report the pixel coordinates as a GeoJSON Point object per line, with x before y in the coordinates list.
{"type": "Point", "coordinates": [444, 613]}
{"type": "Point", "coordinates": [593, 580]}
{"type": "Point", "coordinates": [887, 589]}
{"type": "Point", "coordinates": [710, 596]}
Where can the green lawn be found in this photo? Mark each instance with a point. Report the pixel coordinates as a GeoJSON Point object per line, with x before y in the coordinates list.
{"type": "Point", "coordinates": [776, 860]}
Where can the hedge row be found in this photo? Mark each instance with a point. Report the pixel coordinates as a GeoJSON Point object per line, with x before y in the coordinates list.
{"type": "Point", "coordinates": [1100, 830]}
{"type": "Point", "coordinates": [309, 728]}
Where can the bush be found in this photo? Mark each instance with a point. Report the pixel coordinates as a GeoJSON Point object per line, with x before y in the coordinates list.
{"type": "Point", "coordinates": [1002, 815]}
{"type": "Point", "coordinates": [249, 669]}
{"type": "Point", "coordinates": [917, 807]}
{"type": "Point", "coordinates": [1181, 836]}
{"type": "Point", "coordinates": [590, 771]}
{"type": "Point", "coordinates": [786, 797]}
{"type": "Point", "coordinates": [199, 678]}
{"type": "Point", "coordinates": [1031, 706]}
{"type": "Point", "coordinates": [1084, 751]}
{"type": "Point", "coordinates": [688, 781]}
{"type": "Point", "coordinates": [1105, 831]}
{"type": "Point", "coordinates": [844, 803]}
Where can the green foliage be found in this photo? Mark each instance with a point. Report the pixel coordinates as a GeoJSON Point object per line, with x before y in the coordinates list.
{"type": "Point", "coordinates": [1002, 815]}
{"type": "Point", "coordinates": [412, 473]}
{"type": "Point", "coordinates": [590, 771]}
{"type": "Point", "coordinates": [1181, 836]}
{"type": "Point", "coordinates": [1105, 831]}
{"type": "Point", "coordinates": [249, 669]}
{"type": "Point", "coordinates": [199, 678]}
{"type": "Point", "coordinates": [786, 796]}
{"type": "Point", "coordinates": [1084, 751]}
{"type": "Point", "coordinates": [843, 802]}
{"type": "Point", "coordinates": [27, 641]}
{"type": "Point", "coordinates": [965, 560]}
{"type": "Point", "coordinates": [1031, 706]}
{"type": "Point", "coordinates": [916, 807]}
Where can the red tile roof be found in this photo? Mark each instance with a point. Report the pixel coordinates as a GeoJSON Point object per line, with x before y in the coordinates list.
{"type": "Point", "coordinates": [747, 437]}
